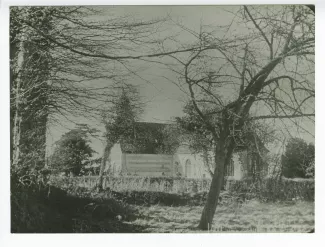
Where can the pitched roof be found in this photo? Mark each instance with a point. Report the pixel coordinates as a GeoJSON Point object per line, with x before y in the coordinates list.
{"type": "Point", "coordinates": [148, 138]}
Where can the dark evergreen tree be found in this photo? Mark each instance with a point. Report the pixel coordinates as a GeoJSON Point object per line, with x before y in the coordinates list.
{"type": "Point", "coordinates": [72, 151]}
{"type": "Point", "coordinates": [119, 120]}
{"type": "Point", "coordinates": [298, 159]}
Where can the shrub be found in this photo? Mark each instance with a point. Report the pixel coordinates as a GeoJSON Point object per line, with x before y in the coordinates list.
{"type": "Point", "coordinates": [48, 209]}
{"type": "Point", "coordinates": [270, 189]}
{"type": "Point", "coordinates": [34, 210]}
{"type": "Point", "coordinates": [72, 151]}
{"type": "Point", "coordinates": [159, 184]}
{"type": "Point", "coordinates": [298, 159]}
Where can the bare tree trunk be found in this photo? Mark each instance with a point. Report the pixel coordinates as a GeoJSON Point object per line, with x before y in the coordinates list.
{"type": "Point", "coordinates": [222, 155]}
{"type": "Point", "coordinates": [206, 162]}
{"type": "Point", "coordinates": [16, 138]}
{"type": "Point", "coordinates": [17, 94]}
{"type": "Point", "coordinates": [213, 195]}
{"type": "Point", "coordinates": [106, 155]}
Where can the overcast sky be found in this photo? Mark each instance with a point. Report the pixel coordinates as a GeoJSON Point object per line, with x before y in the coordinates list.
{"type": "Point", "coordinates": [163, 99]}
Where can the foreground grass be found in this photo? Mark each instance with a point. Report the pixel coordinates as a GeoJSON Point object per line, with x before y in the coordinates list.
{"type": "Point", "coordinates": [252, 216]}
{"type": "Point", "coordinates": [86, 211]}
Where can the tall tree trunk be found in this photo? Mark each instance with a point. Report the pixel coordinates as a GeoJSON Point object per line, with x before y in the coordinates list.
{"type": "Point", "coordinates": [17, 85]}
{"type": "Point", "coordinates": [213, 195]}
{"type": "Point", "coordinates": [106, 154]}
{"type": "Point", "coordinates": [206, 162]}
{"type": "Point", "coordinates": [222, 156]}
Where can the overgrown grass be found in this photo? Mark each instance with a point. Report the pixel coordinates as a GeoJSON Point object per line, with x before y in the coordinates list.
{"type": "Point", "coordinates": [84, 210]}
{"type": "Point", "coordinates": [52, 210]}
{"type": "Point", "coordinates": [251, 216]}
{"type": "Point", "coordinates": [268, 189]}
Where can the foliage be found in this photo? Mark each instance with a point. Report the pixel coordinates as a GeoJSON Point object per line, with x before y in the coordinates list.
{"type": "Point", "coordinates": [194, 130]}
{"type": "Point", "coordinates": [30, 62]}
{"type": "Point", "coordinates": [72, 151]}
{"type": "Point", "coordinates": [52, 210]}
{"type": "Point", "coordinates": [54, 54]}
{"type": "Point", "coordinates": [298, 159]}
{"type": "Point", "coordinates": [310, 170]}
{"type": "Point", "coordinates": [119, 119]}
{"type": "Point", "coordinates": [129, 183]}
{"type": "Point", "coordinates": [34, 209]}
{"type": "Point", "coordinates": [147, 139]}
{"type": "Point", "coordinates": [171, 139]}
{"type": "Point", "coordinates": [153, 138]}
{"type": "Point", "coordinates": [48, 209]}
{"type": "Point", "coordinates": [121, 114]}
{"type": "Point", "coordinates": [243, 70]}
{"type": "Point", "coordinates": [267, 189]}
{"type": "Point", "coordinates": [196, 134]}
{"type": "Point", "coordinates": [273, 189]}
{"type": "Point", "coordinates": [253, 137]}
{"type": "Point", "coordinates": [271, 47]}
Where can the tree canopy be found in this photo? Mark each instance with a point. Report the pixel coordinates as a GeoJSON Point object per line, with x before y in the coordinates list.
{"type": "Point", "coordinates": [299, 159]}
{"type": "Point", "coordinates": [260, 66]}
{"type": "Point", "coordinates": [72, 151]}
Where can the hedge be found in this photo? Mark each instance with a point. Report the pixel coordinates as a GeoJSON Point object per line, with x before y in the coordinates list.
{"type": "Point", "coordinates": [268, 189]}
{"type": "Point", "coordinates": [158, 184]}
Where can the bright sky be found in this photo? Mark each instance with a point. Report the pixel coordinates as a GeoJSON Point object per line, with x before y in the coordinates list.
{"type": "Point", "coordinates": [164, 99]}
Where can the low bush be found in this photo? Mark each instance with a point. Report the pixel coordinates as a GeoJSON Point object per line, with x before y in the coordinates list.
{"type": "Point", "coordinates": [268, 189]}
{"type": "Point", "coordinates": [158, 184]}
{"type": "Point", "coordinates": [48, 209]}
{"type": "Point", "coordinates": [34, 210]}
{"type": "Point", "coordinates": [271, 189]}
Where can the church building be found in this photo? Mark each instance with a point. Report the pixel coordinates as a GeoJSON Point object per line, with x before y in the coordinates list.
{"type": "Point", "coordinates": [146, 155]}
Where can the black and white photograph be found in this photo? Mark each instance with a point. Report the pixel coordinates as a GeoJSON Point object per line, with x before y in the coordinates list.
{"type": "Point", "coordinates": [162, 118]}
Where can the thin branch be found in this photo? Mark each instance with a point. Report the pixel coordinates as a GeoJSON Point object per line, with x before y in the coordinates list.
{"type": "Point", "coordinates": [281, 117]}
{"type": "Point", "coordinates": [261, 31]}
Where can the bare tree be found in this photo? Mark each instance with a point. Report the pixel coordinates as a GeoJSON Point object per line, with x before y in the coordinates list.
{"type": "Point", "coordinates": [74, 50]}
{"type": "Point", "coordinates": [194, 133]}
{"type": "Point", "coordinates": [29, 73]}
{"type": "Point", "coordinates": [262, 62]}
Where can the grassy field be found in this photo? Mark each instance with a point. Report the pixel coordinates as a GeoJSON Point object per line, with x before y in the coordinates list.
{"type": "Point", "coordinates": [71, 208]}
{"type": "Point", "coordinates": [87, 211]}
{"type": "Point", "coordinates": [163, 216]}
{"type": "Point", "coordinates": [248, 217]}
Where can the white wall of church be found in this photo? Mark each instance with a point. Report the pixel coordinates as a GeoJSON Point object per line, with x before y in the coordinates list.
{"type": "Point", "coordinates": [115, 161]}
{"type": "Point", "coordinates": [184, 165]}
{"type": "Point", "coordinates": [192, 166]}
{"type": "Point", "coordinates": [238, 169]}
